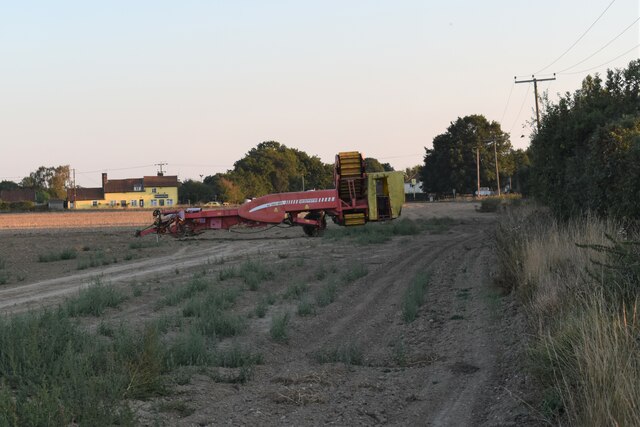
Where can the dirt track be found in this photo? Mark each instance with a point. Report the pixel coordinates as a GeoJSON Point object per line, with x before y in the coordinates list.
{"type": "Point", "coordinates": [461, 356]}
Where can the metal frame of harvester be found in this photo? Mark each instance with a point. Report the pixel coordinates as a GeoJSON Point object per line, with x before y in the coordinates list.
{"type": "Point", "coordinates": [357, 198]}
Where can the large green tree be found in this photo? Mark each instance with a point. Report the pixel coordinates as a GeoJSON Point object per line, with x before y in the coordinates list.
{"type": "Point", "coordinates": [191, 191]}
{"type": "Point", "coordinates": [587, 152]}
{"type": "Point", "coordinates": [451, 163]}
{"type": "Point", "coordinates": [49, 182]}
{"type": "Point", "coordinates": [8, 185]}
{"type": "Point", "coordinates": [271, 167]}
{"type": "Point", "coordinates": [371, 164]}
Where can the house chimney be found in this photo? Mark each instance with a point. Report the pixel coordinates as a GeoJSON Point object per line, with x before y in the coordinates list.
{"type": "Point", "coordinates": [104, 180]}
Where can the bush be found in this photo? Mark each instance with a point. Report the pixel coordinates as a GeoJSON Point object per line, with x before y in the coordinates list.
{"type": "Point", "coordinates": [218, 323]}
{"type": "Point", "coordinates": [21, 206]}
{"type": "Point", "coordinates": [278, 330]}
{"type": "Point", "coordinates": [414, 297]}
{"type": "Point", "coordinates": [305, 308]}
{"type": "Point", "coordinates": [327, 294]}
{"type": "Point", "coordinates": [55, 373]}
{"type": "Point", "coordinates": [349, 353]}
{"type": "Point", "coordinates": [296, 290]}
{"type": "Point", "coordinates": [180, 293]}
{"type": "Point", "coordinates": [189, 348]}
{"type": "Point", "coordinates": [254, 273]}
{"type": "Point", "coordinates": [586, 155]}
{"type": "Point", "coordinates": [236, 357]}
{"type": "Point", "coordinates": [94, 300]}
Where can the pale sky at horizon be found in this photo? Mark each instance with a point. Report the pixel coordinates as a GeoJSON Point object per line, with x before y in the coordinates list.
{"type": "Point", "coordinates": [120, 86]}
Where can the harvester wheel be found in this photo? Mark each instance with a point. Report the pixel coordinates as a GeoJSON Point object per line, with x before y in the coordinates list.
{"type": "Point", "coordinates": [315, 230]}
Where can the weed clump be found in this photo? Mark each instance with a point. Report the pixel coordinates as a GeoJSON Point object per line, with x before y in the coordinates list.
{"type": "Point", "coordinates": [63, 255]}
{"type": "Point", "coordinates": [376, 233]}
{"type": "Point", "coordinates": [306, 308]}
{"type": "Point", "coordinates": [349, 353]}
{"type": "Point", "coordinates": [327, 294]}
{"type": "Point", "coordinates": [55, 373]}
{"type": "Point", "coordinates": [195, 285]}
{"type": "Point", "coordinates": [94, 300]}
{"type": "Point", "coordinates": [414, 297]}
{"type": "Point", "coordinates": [278, 330]}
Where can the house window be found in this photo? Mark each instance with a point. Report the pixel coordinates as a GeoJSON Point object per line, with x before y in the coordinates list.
{"type": "Point", "coordinates": [94, 203]}
{"type": "Point", "coordinates": [137, 187]}
{"type": "Point", "coordinates": [134, 203]}
{"type": "Point", "coordinates": [154, 190]}
{"type": "Point", "coordinates": [112, 203]}
{"type": "Point", "coordinates": [169, 202]}
{"type": "Point", "coordinates": [154, 202]}
{"type": "Point", "coordinates": [123, 203]}
{"type": "Point", "coordinates": [142, 203]}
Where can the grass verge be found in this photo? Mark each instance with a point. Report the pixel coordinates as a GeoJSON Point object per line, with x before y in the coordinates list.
{"type": "Point", "coordinates": [579, 282]}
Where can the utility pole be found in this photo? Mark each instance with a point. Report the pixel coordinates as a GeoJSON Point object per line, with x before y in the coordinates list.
{"type": "Point", "coordinates": [478, 169]}
{"type": "Point", "coordinates": [495, 153]}
{"type": "Point", "coordinates": [535, 89]}
{"type": "Point", "coordinates": [160, 173]}
{"type": "Point", "coordinates": [75, 191]}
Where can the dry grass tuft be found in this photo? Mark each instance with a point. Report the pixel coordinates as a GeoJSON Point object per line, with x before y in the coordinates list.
{"type": "Point", "coordinates": [579, 284]}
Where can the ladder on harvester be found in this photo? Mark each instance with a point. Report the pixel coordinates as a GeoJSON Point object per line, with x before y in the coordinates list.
{"type": "Point", "coordinates": [351, 183]}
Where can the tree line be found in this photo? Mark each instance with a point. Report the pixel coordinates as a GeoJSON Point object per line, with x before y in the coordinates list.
{"type": "Point", "coordinates": [470, 147]}
{"type": "Point", "coordinates": [48, 182]}
{"type": "Point", "coordinates": [586, 156]}
{"type": "Point", "coordinates": [268, 168]}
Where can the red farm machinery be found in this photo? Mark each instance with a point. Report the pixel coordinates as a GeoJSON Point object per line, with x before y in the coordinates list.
{"type": "Point", "coordinates": [357, 198]}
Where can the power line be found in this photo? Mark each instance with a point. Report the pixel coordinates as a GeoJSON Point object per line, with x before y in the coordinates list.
{"type": "Point", "coordinates": [116, 169]}
{"type": "Point", "coordinates": [602, 48]}
{"type": "Point", "coordinates": [190, 165]}
{"type": "Point", "coordinates": [579, 38]}
{"type": "Point", "coordinates": [521, 107]}
{"type": "Point", "coordinates": [507, 104]}
{"type": "Point", "coordinates": [606, 63]}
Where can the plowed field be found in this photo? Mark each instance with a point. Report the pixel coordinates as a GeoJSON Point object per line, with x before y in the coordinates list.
{"type": "Point", "coordinates": [349, 355]}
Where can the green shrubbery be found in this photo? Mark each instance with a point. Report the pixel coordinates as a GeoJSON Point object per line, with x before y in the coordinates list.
{"type": "Point", "coordinates": [586, 156]}
{"type": "Point", "coordinates": [54, 373]}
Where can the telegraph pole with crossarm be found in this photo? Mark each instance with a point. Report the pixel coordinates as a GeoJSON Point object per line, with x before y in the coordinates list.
{"type": "Point", "coordinates": [535, 89]}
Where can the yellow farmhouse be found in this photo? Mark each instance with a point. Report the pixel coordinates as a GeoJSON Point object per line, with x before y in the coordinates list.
{"type": "Point", "coordinates": [145, 192]}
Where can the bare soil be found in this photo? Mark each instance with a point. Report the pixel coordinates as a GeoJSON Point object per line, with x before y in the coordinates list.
{"type": "Point", "coordinates": [459, 363]}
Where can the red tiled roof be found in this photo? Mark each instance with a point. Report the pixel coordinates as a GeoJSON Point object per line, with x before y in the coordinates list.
{"type": "Point", "coordinates": [122, 185]}
{"type": "Point", "coordinates": [85, 194]}
{"type": "Point", "coordinates": [161, 181]}
{"type": "Point", "coordinates": [18, 195]}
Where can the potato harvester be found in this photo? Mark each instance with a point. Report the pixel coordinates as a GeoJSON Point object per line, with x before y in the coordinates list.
{"type": "Point", "coordinates": [358, 198]}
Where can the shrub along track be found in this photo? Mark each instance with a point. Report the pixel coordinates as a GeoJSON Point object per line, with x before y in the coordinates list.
{"type": "Point", "coordinates": [457, 363]}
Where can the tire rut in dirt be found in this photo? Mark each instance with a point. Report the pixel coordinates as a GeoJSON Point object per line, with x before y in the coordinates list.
{"type": "Point", "coordinates": [447, 361]}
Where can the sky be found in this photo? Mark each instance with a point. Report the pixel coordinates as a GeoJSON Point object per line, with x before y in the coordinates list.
{"type": "Point", "coordinates": [122, 86]}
